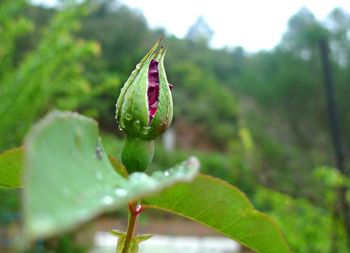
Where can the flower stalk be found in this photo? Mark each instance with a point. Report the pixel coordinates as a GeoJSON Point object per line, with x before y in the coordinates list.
{"type": "Point", "coordinates": [134, 210]}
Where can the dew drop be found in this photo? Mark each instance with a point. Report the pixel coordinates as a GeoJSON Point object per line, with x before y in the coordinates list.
{"type": "Point", "coordinates": [99, 176]}
{"type": "Point", "coordinates": [145, 130]}
{"type": "Point", "coordinates": [138, 180]}
{"type": "Point", "coordinates": [107, 200]}
{"type": "Point", "coordinates": [157, 175]}
{"type": "Point", "coordinates": [138, 176]}
{"type": "Point", "coordinates": [121, 192]}
{"type": "Point", "coordinates": [137, 124]}
{"type": "Point", "coordinates": [128, 116]}
{"type": "Point", "coordinates": [138, 208]}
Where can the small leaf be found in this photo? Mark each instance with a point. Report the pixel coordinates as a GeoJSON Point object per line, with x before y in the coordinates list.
{"type": "Point", "coordinates": [69, 178]}
{"type": "Point", "coordinates": [118, 166]}
{"type": "Point", "coordinates": [223, 207]}
{"type": "Point", "coordinates": [11, 164]}
{"type": "Point", "coordinates": [134, 243]}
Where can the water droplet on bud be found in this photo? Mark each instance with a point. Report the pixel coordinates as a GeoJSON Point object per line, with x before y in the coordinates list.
{"type": "Point", "coordinates": [128, 116]}
{"type": "Point", "coordinates": [145, 130]}
{"type": "Point", "coordinates": [137, 124]}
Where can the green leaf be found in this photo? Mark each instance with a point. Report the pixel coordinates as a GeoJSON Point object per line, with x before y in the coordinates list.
{"type": "Point", "coordinates": [11, 167]}
{"type": "Point", "coordinates": [223, 207]}
{"type": "Point", "coordinates": [118, 166]}
{"type": "Point", "coordinates": [134, 243]}
{"type": "Point", "coordinates": [11, 164]}
{"type": "Point", "coordinates": [69, 178]}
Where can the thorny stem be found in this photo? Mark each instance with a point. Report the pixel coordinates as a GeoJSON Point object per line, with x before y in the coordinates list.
{"type": "Point", "coordinates": [134, 209]}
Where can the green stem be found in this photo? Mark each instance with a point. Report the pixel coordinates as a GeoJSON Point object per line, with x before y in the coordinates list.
{"type": "Point", "coordinates": [134, 211]}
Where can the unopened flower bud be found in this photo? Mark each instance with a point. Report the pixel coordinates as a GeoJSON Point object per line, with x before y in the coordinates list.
{"type": "Point", "coordinates": [145, 107]}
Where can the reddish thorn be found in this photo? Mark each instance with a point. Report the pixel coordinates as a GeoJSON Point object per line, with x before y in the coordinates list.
{"type": "Point", "coordinates": [139, 209]}
{"type": "Point", "coordinates": [135, 209]}
{"type": "Point", "coordinates": [171, 86]}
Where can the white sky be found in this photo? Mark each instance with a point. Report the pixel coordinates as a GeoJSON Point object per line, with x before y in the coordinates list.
{"type": "Point", "coordinates": [252, 24]}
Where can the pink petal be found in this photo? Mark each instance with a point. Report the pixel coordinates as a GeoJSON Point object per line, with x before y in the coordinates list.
{"type": "Point", "coordinates": [153, 89]}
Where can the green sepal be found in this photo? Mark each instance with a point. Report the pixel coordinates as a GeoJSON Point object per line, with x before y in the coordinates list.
{"type": "Point", "coordinates": [134, 243]}
{"type": "Point", "coordinates": [137, 154]}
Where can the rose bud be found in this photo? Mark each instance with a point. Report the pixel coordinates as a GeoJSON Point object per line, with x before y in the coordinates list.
{"type": "Point", "coordinates": [145, 105]}
{"type": "Point", "coordinates": [144, 109]}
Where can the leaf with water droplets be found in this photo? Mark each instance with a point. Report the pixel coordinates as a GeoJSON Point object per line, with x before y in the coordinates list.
{"type": "Point", "coordinates": [69, 179]}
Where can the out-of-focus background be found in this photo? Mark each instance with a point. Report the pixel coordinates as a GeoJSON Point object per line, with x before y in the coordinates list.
{"type": "Point", "coordinates": [249, 100]}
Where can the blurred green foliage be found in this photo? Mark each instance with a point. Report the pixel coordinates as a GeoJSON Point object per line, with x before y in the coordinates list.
{"type": "Point", "coordinates": [308, 228]}
{"type": "Point", "coordinates": [52, 68]}
{"type": "Point", "coordinates": [252, 118]}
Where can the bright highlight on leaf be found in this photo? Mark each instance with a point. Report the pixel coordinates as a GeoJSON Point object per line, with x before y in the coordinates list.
{"type": "Point", "coordinates": [216, 204]}
{"type": "Point", "coordinates": [69, 178]}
